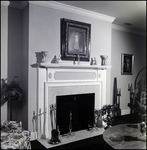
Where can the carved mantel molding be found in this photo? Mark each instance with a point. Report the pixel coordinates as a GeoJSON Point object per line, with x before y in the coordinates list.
{"type": "Point", "coordinates": [69, 66]}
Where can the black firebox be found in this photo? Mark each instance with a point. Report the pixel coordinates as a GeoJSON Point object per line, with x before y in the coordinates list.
{"type": "Point", "coordinates": [75, 109]}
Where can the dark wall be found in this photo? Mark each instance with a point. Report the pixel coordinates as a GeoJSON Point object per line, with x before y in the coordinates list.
{"type": "Point", "coordinates": [15, 53]}
{"type": "Point", "coordinates": [18, 22]}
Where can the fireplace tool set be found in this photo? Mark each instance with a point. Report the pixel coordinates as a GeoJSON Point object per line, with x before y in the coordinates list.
{"type": "Point", "coordinates": [106, 114]}
{"type": "Point", "coordinates": [55, 130]}
{"type": "Point", "coordinates": [34, 122]}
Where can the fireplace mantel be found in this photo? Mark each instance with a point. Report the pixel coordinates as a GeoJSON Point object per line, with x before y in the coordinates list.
{"type": "Point", "coordinates": [65, 79]}
{"type": "Point", "coordinates": [69, 66]}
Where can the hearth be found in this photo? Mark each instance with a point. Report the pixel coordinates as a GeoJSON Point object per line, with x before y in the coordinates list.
{"type": "Point", "coordinates": [75, 112]}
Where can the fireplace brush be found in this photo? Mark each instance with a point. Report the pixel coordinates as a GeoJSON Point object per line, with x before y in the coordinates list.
{"type": "Point", "coordinates": [53, 116]}
{"type": "Point", "coordinates": [54, 109]}
{"type": "Point", "coordinates": [33, 121]}
{"type": "Point", "coordinates": [40, 119]}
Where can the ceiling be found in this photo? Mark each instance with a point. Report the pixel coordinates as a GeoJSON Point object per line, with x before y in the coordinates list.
{"type": "Point", "coordinates": [132, 12]}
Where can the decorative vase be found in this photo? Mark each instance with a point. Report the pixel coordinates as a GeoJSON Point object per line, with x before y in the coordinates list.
{"type": "Point", "coordinates": [103, 60]}
{"type": "Point", "coordinates": [41, 56]}
{"type": "Point", "coordinates": [44, 55]}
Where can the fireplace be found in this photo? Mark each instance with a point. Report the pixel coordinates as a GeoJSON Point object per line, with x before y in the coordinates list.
{"type": "Point", "coordinates": [80, 107]}
{"type": "Point", "coordinates": [57, 82]}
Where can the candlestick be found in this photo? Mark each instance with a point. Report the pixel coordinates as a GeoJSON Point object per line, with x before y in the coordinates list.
{"type": "Point", "coordinates": [130, 87]}
{"type": "Point", "coordinates": [119, 90]}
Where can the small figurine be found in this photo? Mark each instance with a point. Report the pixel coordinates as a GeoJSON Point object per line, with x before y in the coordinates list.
{"type": "Point", "coordinates": [54, 60]}
{"type": "Point", "coordinates": [59, 59]}
{"type": "Point", "coordinates": [78, 59]}
{"type": "Point", "coordinates": [41, 57]}
{"type": "Point", "coordinates": [103, 60]}
{"type": "Point", "coordinates": [91, 63]}
{"type": "Point", "coordinates": [74, 60]}
{"type": "Point", "coordinates": [44, 55]}
{"type": "Point", "coordinates": [94, 61]}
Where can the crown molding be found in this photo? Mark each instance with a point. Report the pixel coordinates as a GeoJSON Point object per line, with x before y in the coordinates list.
{"type": "Point", "coordinates": [23, 4]}
{"type": "Point", "coordinates": [18, 4]}
{"type": "Point", "coordinates": [72, 9]}
{"type": "Point", "coordinates": [5, 3]}
{"type": "Point", "coordinates": [127, 29]}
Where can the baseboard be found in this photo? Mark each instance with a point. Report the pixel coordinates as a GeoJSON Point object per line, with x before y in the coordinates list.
{"type": "Point", "coordinates": [33, 136]}
{"type": "Point", "coordinates": [125, 112]}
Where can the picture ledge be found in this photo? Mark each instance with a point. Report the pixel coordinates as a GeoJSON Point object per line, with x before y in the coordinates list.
{"type": "Point", "coordinates": [70, 66]}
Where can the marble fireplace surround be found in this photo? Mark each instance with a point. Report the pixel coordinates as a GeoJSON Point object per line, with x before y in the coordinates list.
{"type": "Point", "coordinates": [55, 80]}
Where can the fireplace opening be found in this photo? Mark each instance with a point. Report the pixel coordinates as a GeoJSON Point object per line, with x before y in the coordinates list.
{"type": "Point", "coordinates": [78, 108]}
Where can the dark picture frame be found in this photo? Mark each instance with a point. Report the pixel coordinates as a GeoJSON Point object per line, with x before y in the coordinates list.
{"type": "Point", "coordinates": [75, 40]}
{"type": "Point", "coordinates": [127, 64]}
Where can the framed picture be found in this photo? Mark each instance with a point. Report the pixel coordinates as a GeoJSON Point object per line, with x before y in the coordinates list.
{"type": "Point", "coordinates": [75, 40]}
{"type": "Point", "coordinates": [127, 64]}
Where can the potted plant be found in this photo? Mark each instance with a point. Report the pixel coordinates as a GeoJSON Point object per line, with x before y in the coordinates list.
{"type": "Point", "coordinates": [10, 92]}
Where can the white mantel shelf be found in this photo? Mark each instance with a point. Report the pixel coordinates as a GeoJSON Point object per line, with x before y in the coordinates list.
{"type": "Point", "coordinates": [69, 66]}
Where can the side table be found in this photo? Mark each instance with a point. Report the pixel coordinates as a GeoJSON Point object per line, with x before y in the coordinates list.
{"type": "Point", "coordinates": [124, 136]}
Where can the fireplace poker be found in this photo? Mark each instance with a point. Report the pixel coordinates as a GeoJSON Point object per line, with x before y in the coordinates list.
{"type": "Point", "coordinates": [51, 116]}
{"type": "Point", "coordinates": [43, 136]}
{"type": "Point", "coordinates": [34, 123]}
{"type": "Point", "coordinates": [70, 123]}
{"type": "Point", "coordinates": [54, 116]}
{"type": "Point", "coordinates": [40, 119]}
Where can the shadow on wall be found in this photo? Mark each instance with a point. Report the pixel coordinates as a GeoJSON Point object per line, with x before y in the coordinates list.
{"type": "Point", "coordinates": [116, 98]}
{"type": "Point", "coordinates": [15, 62]}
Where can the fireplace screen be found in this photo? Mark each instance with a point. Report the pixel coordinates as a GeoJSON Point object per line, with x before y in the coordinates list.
{"type": "Point", "coordinates": [75, 109]}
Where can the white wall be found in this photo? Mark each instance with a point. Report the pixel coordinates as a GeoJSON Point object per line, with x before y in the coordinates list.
{"type": "Point", "coordinates": [4, 52]}
{"type": "Point", "coordinates": [44, 34]}
{"type": "Point", "coordinates": [129, 43]}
